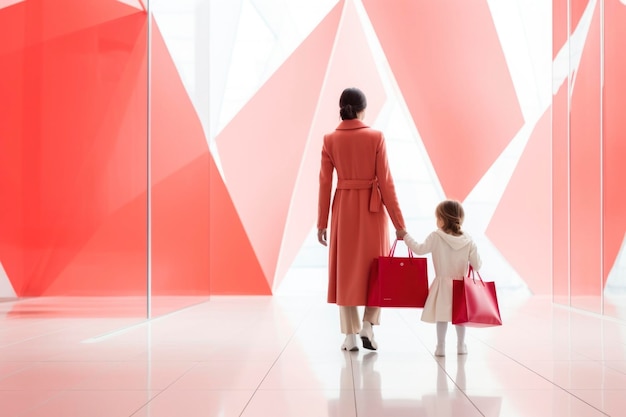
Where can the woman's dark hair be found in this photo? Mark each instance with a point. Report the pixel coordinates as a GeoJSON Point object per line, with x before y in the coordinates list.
{"type": "Point", "coordinates": [351, 102]}
{"type": "Point", "coordinates": [451, 214]}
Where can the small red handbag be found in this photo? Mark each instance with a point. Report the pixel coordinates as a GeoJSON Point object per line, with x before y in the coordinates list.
{"type": "Point", "coordinates": [397, 282]}
{"type": "Point", "coordinates": [475, 302]}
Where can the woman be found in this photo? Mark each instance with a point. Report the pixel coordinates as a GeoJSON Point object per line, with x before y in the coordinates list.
{"type": "Point", "coordinates": [364, 186]}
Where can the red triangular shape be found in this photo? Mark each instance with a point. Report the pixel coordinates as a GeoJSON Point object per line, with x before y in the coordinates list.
{"type": "Point", "coordinates": [234, 268]}
{"type": "Point", "coordinates": [528, 196]}
{"type": "Point", "coordinates": [449, 65]}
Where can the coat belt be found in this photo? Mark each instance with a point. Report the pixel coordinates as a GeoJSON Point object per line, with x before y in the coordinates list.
{"type": "Point", "coordinates": [375, 198]}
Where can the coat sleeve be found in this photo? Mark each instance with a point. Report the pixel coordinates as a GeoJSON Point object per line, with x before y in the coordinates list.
{"type": "Point", "coordinates": [325, 189]}
{"type": "Point", "coordinates": [419, 248]}
{"type": "Point", "coordinates": [474, 257]}
{"type": "Point", "coordinates": [387, 186]}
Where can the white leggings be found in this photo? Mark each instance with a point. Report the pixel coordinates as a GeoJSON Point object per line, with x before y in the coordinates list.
{"type": "Point", "coordinates": [442, 328]}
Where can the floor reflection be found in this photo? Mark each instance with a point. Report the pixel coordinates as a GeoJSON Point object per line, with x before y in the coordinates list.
{"type": "Point", "coordinates": [95, 307]}
{"type": "Point", "coordinates": [442, 405]}
{"type": "Point", "coordinates": [280, 357]}
{"type": "Point", "coordinates": [444, 398]}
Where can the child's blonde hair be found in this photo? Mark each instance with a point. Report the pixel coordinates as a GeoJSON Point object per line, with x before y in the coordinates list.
{"type": "Point", "coordinates": [451, 214]}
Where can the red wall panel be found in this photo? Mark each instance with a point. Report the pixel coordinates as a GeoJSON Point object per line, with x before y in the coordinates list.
{"type": "Point", "coordinates": [179, 181]}
{"type": "Point", "coordinates": [74, 155]}
{"type": "Point", "coordinates": [72, 158]}
{"type": "Point", "coordinates": [450, 67]}
{"type": "Point", "coordinates": [528, 196]}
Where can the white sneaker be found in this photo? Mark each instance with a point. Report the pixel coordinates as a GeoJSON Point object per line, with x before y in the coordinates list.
{"type": "Point", "coordinates": [461, 349]}
{"type": "Point", "coordinates": [367, 336]}
{"type": "Point", "coordinates": [350, 343]}
{"type": "Point", "coordinates": [440, 351]}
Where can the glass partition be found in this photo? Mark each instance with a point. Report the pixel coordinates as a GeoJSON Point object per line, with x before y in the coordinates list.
{"type": "Point", "coordinates": [585, 162]}
{"type": "Point", "coordinates": [588, 152]}
{"type": "Point", "coordinates": [73, 160]}
{"type": "Point", "coordinates": [104, 159]}
{"type": "Point", "coordinates": [560, 154]}
{"type": "Point", "coordinates": [179, 153]}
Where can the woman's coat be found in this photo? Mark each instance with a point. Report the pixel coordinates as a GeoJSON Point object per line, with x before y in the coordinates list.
{"type": "Point", "coordinates": [364, 194]}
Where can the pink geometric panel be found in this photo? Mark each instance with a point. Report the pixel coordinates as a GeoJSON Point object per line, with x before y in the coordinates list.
{"type": "Point", "coordinates": [78, 156]}
{"type": "Point", "coordinates": [97, 270]}
{"type": "Point", "coordinates": [233, 265]}
{"type": "Point", "coordinates": [524, 242]}
{"type": "Point", "coordinates": [351, 64]}
{"type": "Point", "coordinates": [180, 228]}
{"type": "Point", "coordinates": [614, 129]}
{"type": "Point", "coordinates": [261, 149]}
{"type": "Point", "coordinates": [177, 134]}
{"type": "Point", "coordinates": [180, 182]}
{"type": "Point", "coordinates": [585, 168]}
{"type": "Point", "coordinates": [123, 270]}
{"type": "Point", "coordinates": [449, 64]}
{"type": "Point", "coordinates": [49, 19]}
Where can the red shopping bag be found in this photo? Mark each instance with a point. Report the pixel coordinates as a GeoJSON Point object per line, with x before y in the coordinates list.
{"type": "Point", "coordinates": [397, 282]}
{"type": "Point", "coordinates": [475, 302]}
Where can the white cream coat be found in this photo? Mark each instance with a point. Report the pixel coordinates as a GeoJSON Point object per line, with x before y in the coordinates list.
{"type": "Point", "coordinates": [451, 255]}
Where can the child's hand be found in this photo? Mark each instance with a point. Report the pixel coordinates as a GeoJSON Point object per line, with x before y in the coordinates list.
{"type": "Point", "coordinates": [400, 234]}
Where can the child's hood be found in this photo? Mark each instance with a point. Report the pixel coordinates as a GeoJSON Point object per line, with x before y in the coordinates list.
{"type": "Point", "coordinates": [455, 242]}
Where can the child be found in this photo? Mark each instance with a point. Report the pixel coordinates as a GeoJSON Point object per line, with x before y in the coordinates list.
{"type": "Point", "coordinates": [451, 250]}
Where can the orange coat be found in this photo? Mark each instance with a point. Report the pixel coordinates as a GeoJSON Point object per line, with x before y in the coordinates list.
{"type": "Point", "coordinates": [364, 194]}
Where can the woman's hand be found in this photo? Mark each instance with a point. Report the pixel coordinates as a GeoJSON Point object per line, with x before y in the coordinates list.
{"type": "Point", "coordinates": [321, 237]}
{"type": "Point", "coordinates": [400, 234]}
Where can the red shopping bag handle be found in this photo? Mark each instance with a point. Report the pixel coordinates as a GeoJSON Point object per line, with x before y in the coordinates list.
{"type": "Point", "coordinates": [393, 249]}
{"type": "Point", "coordinates": [470, 274]}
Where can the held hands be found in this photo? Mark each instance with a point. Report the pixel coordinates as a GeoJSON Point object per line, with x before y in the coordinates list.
{"type": "Point", "coordinates": [321, 237]}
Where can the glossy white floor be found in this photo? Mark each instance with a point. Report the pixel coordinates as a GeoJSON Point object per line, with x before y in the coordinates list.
{"type": "Point", "coordinates": [279, 356]}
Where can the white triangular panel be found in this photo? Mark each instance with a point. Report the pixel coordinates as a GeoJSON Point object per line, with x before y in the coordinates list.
{"type": "Point", "coordinates": [133, 3]}
{"type": "Point", "coordinates": [268, 33]}
{"type": "Point", "coordinates": [225, 50]}
{"type": "Point", "coordinates": [200, 37]}
{"type": "Point", "coordinates": [616, 280]}
{"type": "Point", "coordinates": [7, 3]}
{"type": "Point", "coordinates": [523, 27]}
{"type": "Point", "coordinates": [6, 289]}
